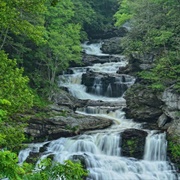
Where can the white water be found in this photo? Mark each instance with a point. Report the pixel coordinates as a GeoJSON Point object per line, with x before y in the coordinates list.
{"type": "Point", "coordinates": [101, 149]}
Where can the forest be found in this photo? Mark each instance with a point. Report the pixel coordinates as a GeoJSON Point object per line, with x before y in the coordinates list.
{"type": "Point", "coordinates": [39, 39]}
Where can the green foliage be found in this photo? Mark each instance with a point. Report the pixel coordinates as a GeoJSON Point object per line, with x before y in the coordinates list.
{"type": "Point", "coordinates": [39, 101]}
{"type": "Point", "coordinates": [12, 136]}
{"type": "Point", "coordinates": [84, 15]}
{"type": "Point", "coordinates": [95, 16]}
{"type": "Point", "coordinates": [154, 30]}
{"type": "Point", "coordinates": [162, 37]}
{"type": "Point", "coordinates": [15, 18]}
{"type": "Point", "coordinates": [62, 47]}
{"type": "Point", "coordinates": [68, 170]}
{"type": "Point", "coordinates": [174, 149]}
{"type": "Point", "coordinates": [47, 169]}
{"type": "Point", "coordinates": [131, 145]}
{"type": "Point", "coordinates": [9, 167]}
{"type": "Point", "coordinates": [13, 86]}
{"type": "Point", "coordinates": [122, 18]}
{"type": "Point", "coordinates": [124, 13]}
{"type": "Point", "coordinates": [25, 26]}
{"type": "Point", "coordinates": [165, 73]}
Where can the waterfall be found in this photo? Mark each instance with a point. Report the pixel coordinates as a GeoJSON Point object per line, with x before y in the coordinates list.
{"type": "Point", "coordinates": [109, 91]}
{"type": "Point", "coordinates": [97, 86]}
{"type": "Point", "coordinates": [101, 149]}
{"type": "Point", "coordinates": [93, 49]}
{"type": "Point", "coordinates": [155, 148]}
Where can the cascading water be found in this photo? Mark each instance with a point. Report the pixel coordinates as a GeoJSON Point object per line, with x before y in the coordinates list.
{"type": "Point", "coordinates": [100, 150]}
{"type": "Point", "coordinates": [97, 87]}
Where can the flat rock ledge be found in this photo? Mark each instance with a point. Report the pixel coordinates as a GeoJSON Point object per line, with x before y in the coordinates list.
{"type": "Point", "coordinates": [62, 122]}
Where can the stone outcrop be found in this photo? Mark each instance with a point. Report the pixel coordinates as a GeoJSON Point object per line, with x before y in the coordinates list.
{"type": "Point", "coordinates": [138, 63]}
{"type": "Point", "coordinates": [62, 123]}
{"type": "Point", "coordinates": [171, 99]}
{"type": "Point", "coordinates": [66, 101]}
{"type": "Point", "coordinates": [142, 104]}
{"type": "Point", "coordinates": [112, 46]}
{"type": "Point", "coordinates": [109, 33]}
{"type": "Point", "coordinates": [133, 142]}
{"type": "Point", "coordinates": [171, 109]}
{"type": "Point", "coordinates": [89, 60]}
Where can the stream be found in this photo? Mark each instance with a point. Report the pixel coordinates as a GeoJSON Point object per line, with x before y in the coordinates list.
{"type": "Point", "coordinates": [101, 150]}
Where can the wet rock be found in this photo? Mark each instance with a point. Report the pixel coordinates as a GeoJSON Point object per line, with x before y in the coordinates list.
{"type": "Point", "coordinates": [162, 120]}
{"type": "Point", "coordinates": [80, 158]}
{"type": "Point", "coordinates": [63, 125]}
{"type": "Point", "coordinates": [43, 148]}
{"type": "Point", "coordinates": [171, 99]}
{"type": "Point", "coordinates": [139, 62]}
{"type": "Point", "coordinates": [142, 104]}
{"type": "Point", "coordinates": [171, 109]}
{"type": "Point", "coordinates": [133, 142]}
{"type": "Point", "coordinates": [123, 70]}
{"type": "Point", "coordinates": [89, 60]}
{"type": "Point", "coordinates": [33, 157]}
{"type": "Point", "coordinates": [108, 33]}
{"type": "Point", "coordinates": [112, 46]}
{"type": "Point", "coordinates": [110, 85]}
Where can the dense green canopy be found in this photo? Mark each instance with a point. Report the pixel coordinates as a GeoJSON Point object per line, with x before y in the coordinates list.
{"type": "Point", "coordinates": [155, 30]}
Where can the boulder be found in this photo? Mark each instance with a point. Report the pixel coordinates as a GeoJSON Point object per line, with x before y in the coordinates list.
{"type": "Point", "coordinates": [108, 33]}
{"type": "Point", "coordinates": [80, 158]}
{"type": "Point", "coordinates": [112, 46]}
{"type": "Point", "coordinates": [139, 62]}
{"type": "Point", "coordinates": [142, 104]}
{"type": "Point", "coordinates": [123, 70]}
{"type": "Point", "coordinates": [171, 99]}
{"type": "Point", "coordinates": [171, 109]}
{"type": "Point", "coordinates": [133, 142]}
{"type": "Point", "coordinates": [163, 120]}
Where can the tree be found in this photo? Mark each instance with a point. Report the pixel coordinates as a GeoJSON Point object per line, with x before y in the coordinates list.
{"type": "Point", "coordinates": [62, 47]}
{"type": "Point", "coordinates": [21, 17]}
{"type": "Point", "coordinates": [154, 30]}
{"type": "Point", "coordinates": [14, 86]}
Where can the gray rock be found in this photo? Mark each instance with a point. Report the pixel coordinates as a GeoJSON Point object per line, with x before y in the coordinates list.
{"type": "Point", "coordinates": [65, 125]}
{"type": "Point", "coordinates": [145, 66]}
{"type": "Point", "coordinates": [171, 99]}
{"type": "Point", "coordinates": [112, 46]}
{"type": "Point", "coordinates": [142, 104]}
{"type": "Point", "coordinates": [162, 120]}
{"type": "Point", "coordinates": [133, 142]}
{"type": "Point", "coordinates": [108, 33]}
{"type": "Point", "coordinates": [171, 109]}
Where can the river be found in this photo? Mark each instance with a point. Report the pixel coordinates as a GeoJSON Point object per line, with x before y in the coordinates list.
{"type": "Point", "coordinates": [101, 149]}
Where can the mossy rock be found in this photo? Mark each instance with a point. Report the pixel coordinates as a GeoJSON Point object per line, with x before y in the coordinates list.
{"type": "Point", "coordinates": [133, 142]}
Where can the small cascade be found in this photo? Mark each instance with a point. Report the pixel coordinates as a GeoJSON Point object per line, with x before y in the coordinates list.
{"type": "Point", "coordinates": [109, 92]}
{"type": "Point", "coordinates": [156, 147]}
{"type": "Point", "coordinates": [32, 148]}
{"type": "Point", "coordinates": [102, 157]}
{"type": "Point", "coordinates": [109, 144]}
{"type": "Point", "coordinates": [97, 88]}
{"type": "Point", "coordinates": [93, 49]}
{"type": "Point", "coordinates": [23, 155]}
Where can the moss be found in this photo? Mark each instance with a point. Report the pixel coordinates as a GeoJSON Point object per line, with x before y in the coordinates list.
{"type": "Point", "coordinates": [74, 129]}
{"type": "Point", "coordinates": [131, 145]}
{"type": "Point", "coordinates": [174, 150]}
